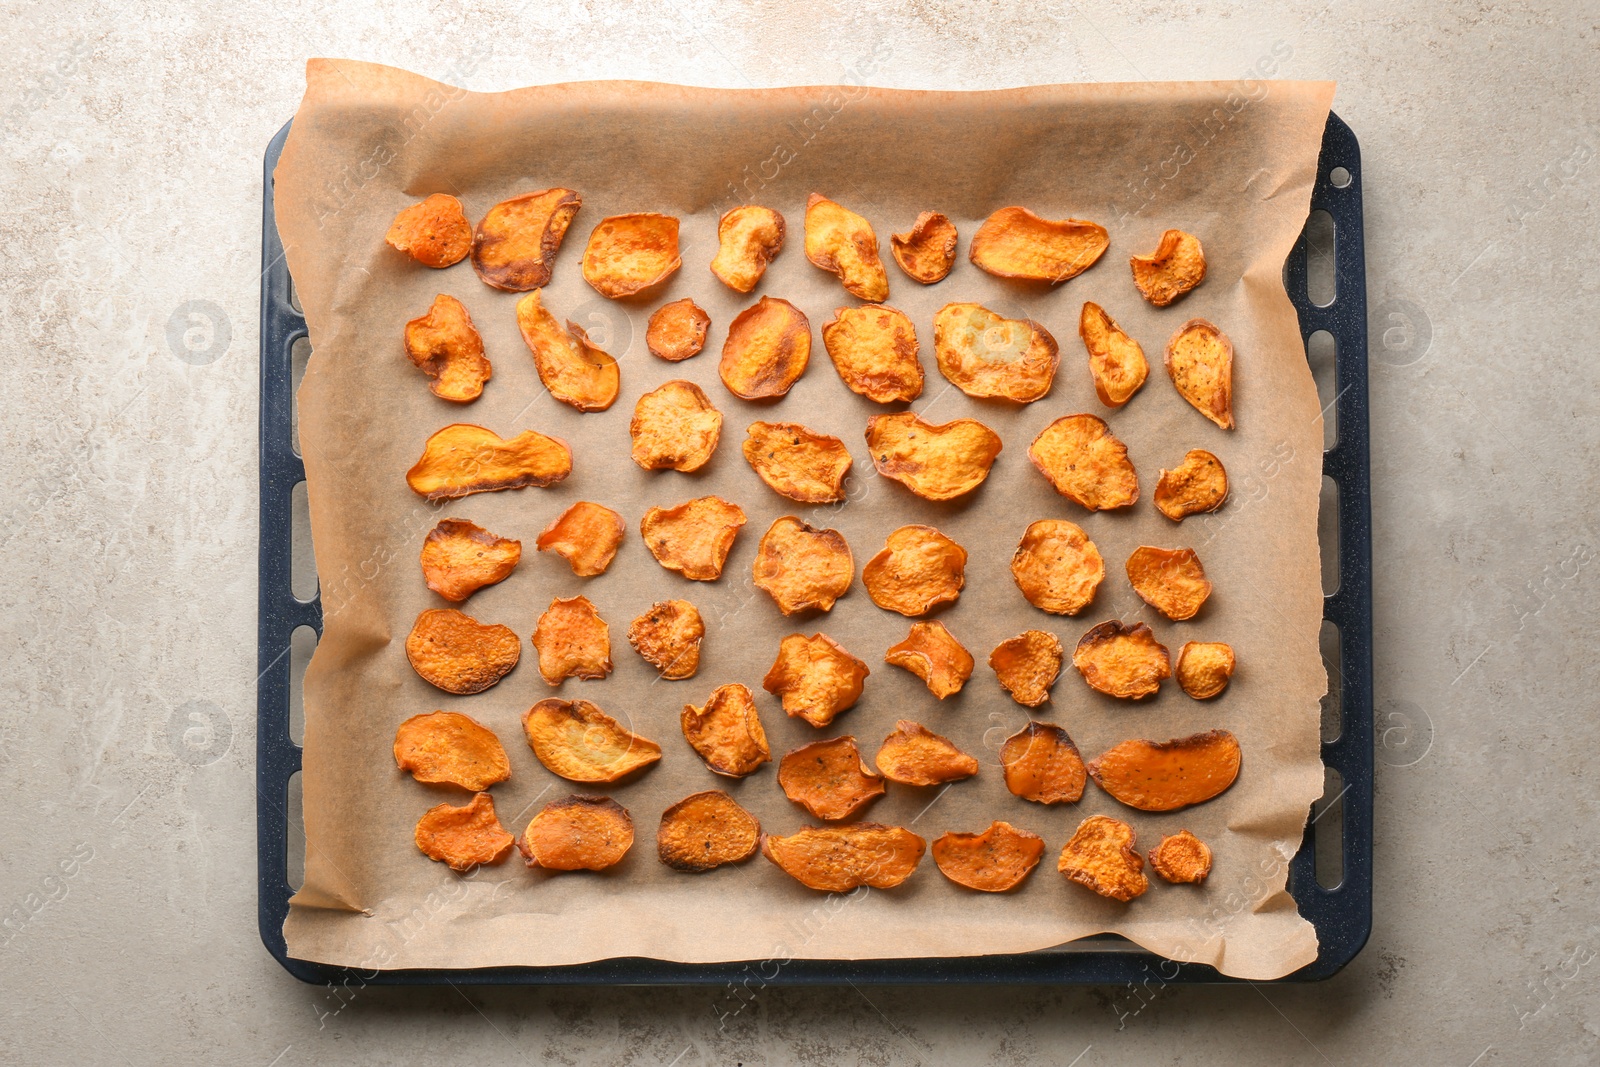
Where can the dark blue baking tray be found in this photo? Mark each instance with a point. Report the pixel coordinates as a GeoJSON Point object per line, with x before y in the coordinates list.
{"type": "Point", "coordinates": [1342, 914]}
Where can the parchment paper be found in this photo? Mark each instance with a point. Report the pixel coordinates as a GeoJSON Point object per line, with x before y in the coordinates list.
{"type": "Point", "coordinates": [1231, 162]}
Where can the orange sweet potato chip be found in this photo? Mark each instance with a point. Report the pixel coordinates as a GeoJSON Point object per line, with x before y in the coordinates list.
{"type": "Point", "coordinates": [581, 743]}
{"type": "Point", "coordinates": [458, 653]}
{"type": "Point", "coordinates": [1168, 775]}
{"type": "Point", "coordinates": [1102, 857]}
{"type": "Point", "coordinates": [463, 837]}
{"type": "Point", "coordinates": [988, 356]}
{"type": "Point", "coordinates": [829, 779]}
{"type": "Point", "coordinates": [575, 371]}
{"type": "Point", "coordinates": [748, 238]}
{"type": "Point", "coordinates": [1015, 243]}
{"type": "Point", "coordinates": [578, 833]}
{"type": "Point", "coordinates": [994, 861]}
{"type": "Point", "coordinates": [1122, 661]}
{"type": "Point", "coordinates": [1057, 567]}
{"type": "Point", "coordinates": [677, 330]}
{"type": "Point", "coordinates": [668, 636]}
{"type": "Point", "coordinates": [1171, 580]}
{"type": "Point", "coordinates": [927, 251]}
{"type": "Point", "coordinates": [918, 569]}
{"type": "Point", "coordinates": [1198, 484]}
{"type": "Point", "coordinates": [446, 346]}
{"type": "Point", "coordinates": [874, 349]}
{"type": "Point", "coordinates": [797, 462]}
{"type": "Point", "coordinates": [434, 232]}
{"type": "Point", "coordinates": [1177, 265]}
{"type": "Point", "coordinates": [461, 557]}
{"type": "Point", "coordinates": [936, 462]}
{"type": "Point", "coordinates": [842, 242]}
{"type": "Point", "coordinates": [517, 241]}
{"type": "Point", "coordinates": [1086, 463]}
{"type": "Point", "coordinates": [628, 254]}
{"type": "Point", "coordinates": [931, 653]}
{"type": "Point", "coordinates": [706, 830]}
{"type": "Point", "coordinates": [915, 755]}
{"type": "Point", "coordinates": [463, 459]}
{"type": "Point", "coordinates": [1027, 666]}
{"type": "Point", "coordinates": [768, 347]}
{"type": "Point", "coordinates": [1116, 361]}
{"type": "Point", "coordinates": [1204, 668]}
{"type": "Point", "coordinates": [572, 640]}
{"type": "Point", "coordinates": [836, 859]}
{"type": "Point", "coordinates": [674, 427]}
{"type": "Point", "coordinates": [693, 538]}
{"type": "Point", "coordinates": [586, 535]}
{"type": "Point", "coordinates": [447, 746]}
{"type": "Point", "coordinates": [727, 731]}
{"type": "Point", "coordinates": [803, 568]}
{"type": "Point", "coordinates": [815, 678]}
{"type": "Point", "coordinates": [1181, 858]}
{"type": "Point", "coordinates": [1200, 360]}
{"type": "Point", "coordinates": [1043, 765]}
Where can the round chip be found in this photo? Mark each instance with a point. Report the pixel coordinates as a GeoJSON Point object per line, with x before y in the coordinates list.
{"type": "Point", "coordinates": [748, 238]}
{"type": "Point", "coordinates": [572, 641]}
{"type": "Point", "coordinates": [446, 346]}
{"type": "Point", "coordinates": [573, 370]}
{"type": "Point", "coordinates": [1043, 765]}
{"type": "Point", "coordinates": [1027, 666]}
{"type": "Point", "coordinates": [461, 557]}
{"type": "Point", "coordinates": [915, 755]}
{"type": "Point", "coordinates": [727, 732]}
{"type": "Point", "coordinates": [1116, 361]}
{"type": "Point", "coordinates": [1176, 266]}
{"type": "Point", "coordinates": [706, 830]}
{"type": "Point", "coordinates": [1122, 661]}
{"type": "Point", "coordinates": [449, 747]}
{"type": "Point", "coordinates": [1200, 361]}
{"type": "Point", "coordinates": [581, 743]}
{"type": "Point", "coordinates": [1168, 775]}
{"type": "Point", "coordinates": [803, 568]}
{"type": "Point", "coordinates": [836, 859]}
{"type": "Point", "coordinates": [1101, 856]}
{"type": "Point", "coordinates": [463, 459]}
{"type": "Point", "coordinates": [628, 254]}
{"type": "Point", "coordinates": [434, 232]}
{"type": "Point", "coordinates": [516, 243]}
{"type": "Point", "coordinates": [874, 349]}
{"type": "Point", "coordinates": [1171, 580]}
{"type": "Point", "coordinates": [1086, 463]}
{"type": "Point", "coordinates": [1199, 484]}
{"type": "Point", "coordinates": [994, 861]}
{"type": "Point", "coordinates": [936, 462]}
{"type": "Point", "coordinates": [578, 833]}
{"type": "Point", "coordinates": [674, 427]}
{"type": "Point", "coordinates": [1182, 858]}
{"type": "Point", "coordinates": [932, 654]}
{"type": "Point", "coordinates": [829, 779]}
{"type": "Point", "coordinates": [586, 535]}
{"type": "Point", "coordinates": [918, 569]}
{"type": "Point", "coordinates": [693, 538]}
{"type": "Point", "coordinates": [1057, 567]}
{"type": "Point", "coordinates": [927, 251]}
{"type": "Point", "coordinates": [768, 347]}
{"type": "Point", "coordinates": [463, 837]}
{"type": "Point", "coordinates": [1204, 668]}
{"type": "Point", "coordinates": [677, 331]}
{"type": "Point", "coordinates": [815, 677]}
{"type": "Point", "coordinates": [668, 636]}
{"type": "Point", "coordinates": [988, 356]}
{"type": "Point", "coordinates": [798, 463]}
{"type": "Point", "coordinates": [842, 243]}
{"type": "Point", "coordinates": [458, 653]}
{"type": "Point", "coordinates": [1015, 243]}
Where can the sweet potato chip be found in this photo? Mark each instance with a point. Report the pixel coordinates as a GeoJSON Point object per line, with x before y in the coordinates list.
{"type": "Point", "coordinates": [915, 755]}
{"type": "Point", "coordinates": [674, 427]}
{"type": "Point", "coordinates": [575, 371]}
{"type": "Point", "coordinates": [668, 636]}
{"type": "Point", "coordinates": [931, 653]}
{"type": "Point", "coordinates": [829, 778]}
{"type": "Point", "coordinates": [1027, 666]}
{"type": "Point", "coordinates": [706, 830]}
{"type": "Point", "coordinates": [803, 568]}
{"type": "Point", "coordinates": [461, 557]}
{"type": "Point", "coordinates": [815, 677]}
{"type": "Point", "coordinates": [446, 346]}
{"type": "Point", "coordinates": [1043, 765]}
{"type": "Point", "coordinates": [463, 459]}
{"type": "Point", "coordinates": [796, 462]}
{"type": "Point", "coordinates": [1086, 463]}
{"type": "Point", "coordinates": [842, 242]}
{"type": "Point", "coordinates": [572, 640]}
{"type": "Point", "coordinates": [994, 861]}
{"type": "Point", "coordinates": [463, 837]}
{"type": "Point", "coordinates": [578, 833]}
{"type": "Point", "coordinates": [1199, 484]}
{"type": "Point", "coordinates": [586, 535]}
{"type": "Point", "coordinates": [693, 538]}
{"type": "Point", "coordinates": [936, 462]}
{"type": "Point", "coordinates": [1015, 243]}
{"type": "Point", "coordinates": [1116, 361]}
{"type": "Point", "coordinates": [874, 349]}
{"type": "Point", "coordinates": [1176, 266]}
{"type": "Point", "coordinates": [918, 569]}
{"type": "Point", "coordinates": [447, 746]}
{"type": "Point", "coordinates": [768, 347]}
{"type": "Point", "coordinates": [1122, 661]}
{"type": "Point", "coordinates": [836, 859]}
{"type": "Point", "coordinates": [1057, 567]}
{"type": "Point", "coordinates": [677, 331]}
{"type": "Point", "coordinates": [927, 251]}
{"type": "Point", "coordinates": [1168, 775]}
{"type": "Point", "coordinates": [1171, 580]}
{"type": "Point", "coordinates": [628, 254]}
{"type": "Point", "coordinates": [458, 653]}
{"type": "Point", "coordinates": [1204, 668]}
{"type": "Point", "coordinates": [1200, 360]}
{"type": "Point", "coordinates": [727, 731]}
{"type": "Point", "coordinates": [581, 743]}
{"type": "Point", "coordinates": [988, 356]}
{"type": "Point", "coordinates": [434, 232]}
{"type": "Point", "coordinates": [1101, 856]}
{"type": "Point", "coordinates": [1181, 857]}
{"type": "Point", "coordinates": [748, 238]}
{"type": "Point", "coordinates": [517, 241]}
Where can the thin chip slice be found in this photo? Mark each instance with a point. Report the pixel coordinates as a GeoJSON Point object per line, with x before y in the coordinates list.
{"type": "Point", "coordinates": [575, 371]}
{"type": "Point", "coordinates": [446, 346]}
{"type": "Point", "coordinates": [461, 557]}
{"type": "Point", "coordinates": [1101, 856]}
{"type": "Point", "coordinates": [674, 427]}
{"type": "Point", "coordinates": [936, 462]}
{"type": "Point", "coordinates": [803, 568]}
{"type": "Point", "coordinates": [458, 653]}
{"type": "Point", "coordinates": [1122, 661]}
{"type": "Point", "coordinates": [463, 459]}
{"type": "Point", "coordinates": [707, 830]}
{"type": "Point", "coordinates": [434, 232]}
{"type": "Point", "coordinates": [927, 251]}
{"type": "Point", "coordinates": [874, 349]}
{"type": "Point", "coordinates": [1057, 567]}
{"type": "Point", "coordinates": [1043, 765]}
{"type": "Point", "coordinates": [727, 732]}
{"type": "Point", "coordinates": [748, 238]}
{"type": "Point", "coordinates": [986, 355]}
{"type": "Point", "coordinates": [677, 331]}
{"type": "Point", "coordinates": [1182, 858]}
{"type": "Point", "coordinates": [464, 837]}
{"type": "Point", "coordinates": [1086, 463]}
{"type": "Point", "coordinates": [449, 747]}
{"type": "Point", "coordinates": [1197, 485]}
{"type": "Point", "coordinates": [1200, 361]}
{"type": "Point", "coordinates": [1176, 266]}
{"type": "Point", "coordinates": [918, 569]}
{"type": "Point", "coordinates": [1204, 668]}
{"type": "Point", "coordinates": [815, 678]}
{"type": "Point", "coordinates": [668, 636]}
{"type": "Point", "coordinates": [842, 242]}
{"type": "Point", "coordinates": [994, 861]}
{"type": "Point", "coordinates": [516, 243]}
{"type": "Point", "coordinates": [1027, 666]}
{"type": "Point", "coordinates": [1116, 361]}
{"type": "Point", "coordinates": [581, 743]}
{"type": "Point", "coordinates": [768, 347]}
{"type": "Point", "coordinates": [836, 859]}
{"type": "Point", "coordinates": [628, 254]}
{"type": "Point", "coordinates": [1015, 243]}
{"type": "Point", "coordinates": [572, 641]}
{"type": "Point", "coordinates": [1168, 775]}
{"type": "Point", "coordinates": [915, 755]}
{"type": "Point", "coordinates": [829, 778]}
{"type": "Point", "coordinates": [694, 537]}
{"type": "Point", "coordinates": [586, 535]}
{"type": "Point", "coordinates": [931, 653]}
{"type": "Point", "coordinates": [796, 462]}
{"type": "Point", "coordinates": [578, 833]}
{"type": "Point", "coordinates": [1171, 580]}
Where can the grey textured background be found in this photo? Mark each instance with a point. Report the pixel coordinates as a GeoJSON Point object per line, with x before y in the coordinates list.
{"type": "Point", "coordinates": [128, 295]}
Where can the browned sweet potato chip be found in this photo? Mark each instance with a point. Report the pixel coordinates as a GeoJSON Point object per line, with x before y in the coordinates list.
{"type": "Point", "coordinates": [842, 242]}
{"type": "Point", "coordinates": [1057, 567]}
{"type": "Point", "coordinates": [1116, 361]}
{"type": "Point", "coordinates": [705, 830]}
{"type": "Point", "coordinates": [927, 251]}
{"type": "Point", "coordinates": [586, 535]}
{"type": "Point", "coordinates": [815, 677]}
{"type": "Point", "coordinates": [674, 427]}
{"type": "Point", "coordinates": [986, 355]}
{"type": "Point", "coordinates": [931, 653]}
{"type": "Point", "coordinates": [1167, 775]}
{"type": "Point", "coordinates": [578, 833]}
{"type": "Point", "coordinates": [572, 640]}
{"type": "Point", "coordinates": [461, 557]}
{"type": "Point", "coordinates": [727, 731]}
{"type": "Point", "coordinates": [628, 254]}
{"type": "Point", "coordinates": [915, 755]}
{"type": "Point", "coordinates": [1204, 668]}
{"type": "Point", "coordinates": [874, 349]}
{"type": "Point", "coordinates": [1101, 856]}
{"type": "Point", "coordinates": [1198, 484]}
{"type": "Point", "coordinates": [581, 743]}
{"type": "Point", "coordinates": [796, 462]}
{"type": "Point", "coordinates": [1176, 266]}
{"type": "Point", "coordinates": [918, 569]}
{"type": "Point", "coordinates": [575, 371]}
{"type": "Point", "coordinates": [458, 653]}
{"type": "Point", "coordinates": [463, 459]}
{"type": "Point", "coordinates": [1086, 463]}
{"type": "Point", "coordinates": [936, 462]}
{"type": "Point", "coordinates": [446, 346]}
{"type": "Point", "coordinates": [677, 330]}
{"type": "Point", "coordinates": [463, 837]}
{"type": "Point", "coordinates": [835, 859]}
{"type": "Point", "coordinates": [748, 238]}
{"type": "Point", "coordinates": [829, 779]}
{"type": "Point", "coordinates": [1171, 580]}
{"type": "Point", "coordinates": [1182, 857]}
{"type": "Point", "coordinates": [803, 568]}
{"type": "Point", "coordinates": [1016, 243]}
{"type": "Point", "coordinates": [1027, 666]}
{"type": "Point", "coordinates": [668, 636]}
{"type": "Point", "coordinates": [768, 347]}
{"type": "Point", "coordinates": [517, 241]}
{"type": "Point", "coordinates": [434, 232]}
{"type": "Point", "coordinates": [1200, 360]}
{"type": "Point", "coordinates": [447, 746]}
{"type": "Point", "coordinates": [1122, 661]}
{"type": "Point", "coordinates": [693, 538]}
{"type": "Point", "coordinates": [1043, 765]}
{"type": "Point", "coordinates": [994, 861]}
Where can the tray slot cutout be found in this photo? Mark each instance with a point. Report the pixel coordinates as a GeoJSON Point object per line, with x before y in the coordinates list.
{"type": "Point", "coordinates": [302, 643]}
{"type": "Point", "coordinates": [1322, 352]}
{"type": "Point", "coordinates": [1327, 821]}
{"type": "Point", "coordinates": [1332, 643]}
{"type": "Point", "coordinates": [299, 359]}
{"type": "Point", "coordinates": [1328, 534]}
{"type": "Point", "coordinates": [302, 561]}
{"type": "Point", "coordinates": [1322, 277]}
{"type": "Point", "coordinates": [295, 819]}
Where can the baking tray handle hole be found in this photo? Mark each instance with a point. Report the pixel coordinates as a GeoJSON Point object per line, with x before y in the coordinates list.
{"type": "Point", "coordinates": [302, 643]}
{"type": "Point", "coordinates": [1328, 534]}
{"type": "Point", "coordinates": [299, 359]}
{"type": "Point", "coordinates": [1339, 178]}
{"type": "Point", "coordinates": [1332, 642]}
{"type": "Point", "coordinates": [302, 562]}
{"type": "Point", "coordinates": [1322, 351]}
{"type": "Point", "coordinates": [1322, 284]}
{"type": "Point", "coordinates": [294, 859]}
{"type": "Point", "coordinates": [1327, 827]}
